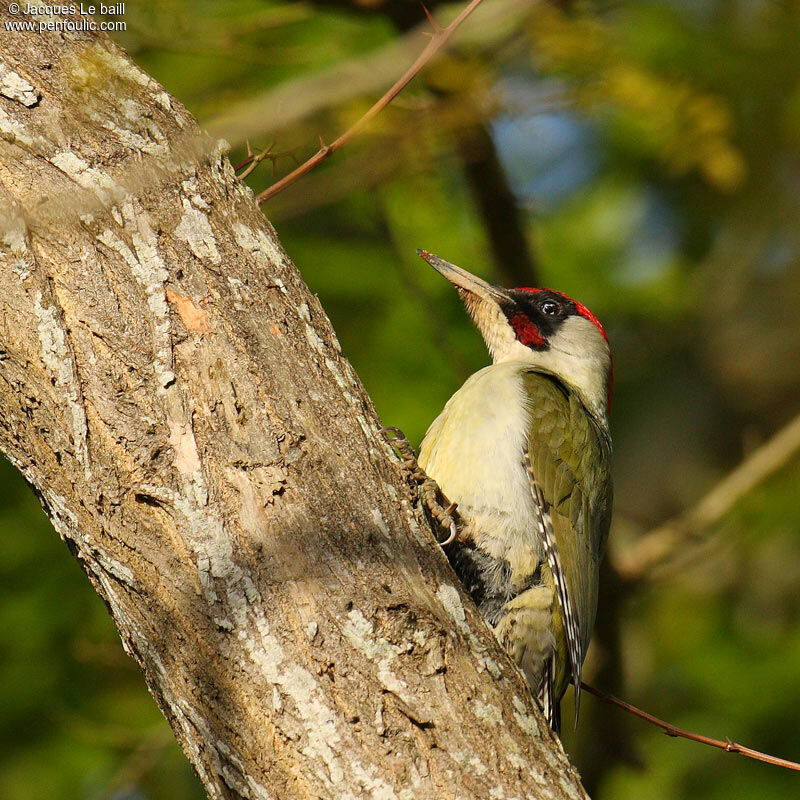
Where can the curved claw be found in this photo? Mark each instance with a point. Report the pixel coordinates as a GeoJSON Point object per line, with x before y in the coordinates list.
{"type": "Point", "coordinates": [452, 537]}
{"type": "Point", "coordinates": [445, 519]}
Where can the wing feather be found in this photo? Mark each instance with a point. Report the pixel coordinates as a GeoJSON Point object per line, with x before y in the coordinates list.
{"type": "Point", "coordinates": [568, 464]}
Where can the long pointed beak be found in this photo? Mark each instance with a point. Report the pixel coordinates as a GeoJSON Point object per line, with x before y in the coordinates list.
{"type": "Point", "coordinates": [484, 302]}
{"type": "Point", "coordinates": [462, 279]}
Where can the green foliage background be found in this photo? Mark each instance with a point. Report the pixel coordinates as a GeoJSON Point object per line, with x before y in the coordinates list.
{"type": "Point", "coordinates": [652, 150]}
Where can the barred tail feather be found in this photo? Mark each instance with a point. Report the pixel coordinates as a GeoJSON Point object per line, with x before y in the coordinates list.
{"type": "Point", "coordinates": [547, 700]}
{"type": "Point", "coordinates": [571, 622]}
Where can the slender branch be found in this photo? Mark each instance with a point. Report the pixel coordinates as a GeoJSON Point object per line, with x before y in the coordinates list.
{"type": "Point", "coordinates": [655, 547]}
{"type": "Point", "coordinates": [438, 39]}
{"type": "Point", "coordinates": [254, 159]}
{"type": "Point", "coordinates": [247, 160]}
{"type": "Point", "coordinates": [671, 730]}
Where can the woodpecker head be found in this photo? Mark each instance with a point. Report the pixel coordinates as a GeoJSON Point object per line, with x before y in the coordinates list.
{"type": "Point", "coordinates": [541, 327]}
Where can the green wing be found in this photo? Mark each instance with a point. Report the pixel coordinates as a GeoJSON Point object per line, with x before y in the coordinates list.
{"type": "Point", "coordinates": [569, 462]}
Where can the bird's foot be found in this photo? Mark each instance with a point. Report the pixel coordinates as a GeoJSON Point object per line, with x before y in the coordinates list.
{"type": "Point", "coordinates": [433, 498]}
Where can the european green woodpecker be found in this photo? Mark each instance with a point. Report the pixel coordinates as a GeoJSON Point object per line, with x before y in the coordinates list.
{"type": "Point", "coordinates": [523, 448]}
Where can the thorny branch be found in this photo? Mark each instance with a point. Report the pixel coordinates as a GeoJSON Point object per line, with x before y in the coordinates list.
{"type": "Point", "coordinates": [728, 745]}
{"type": "Point", "coordinates": [438, 39]}
{"type": "Point", "coordinates": [655, 547]}
{"type": "Point", "coordinates": [254, 159]}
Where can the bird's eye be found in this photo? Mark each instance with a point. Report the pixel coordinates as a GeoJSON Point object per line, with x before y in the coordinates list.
{"type": "Point", "coordinates": [551, 308]}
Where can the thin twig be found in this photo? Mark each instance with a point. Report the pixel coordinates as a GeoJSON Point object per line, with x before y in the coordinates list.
{"type": "Point", "coordinates": [438, 39]}
{"type": "Point", "coordinates": [247, 160]}
{"type": "Point", "coordinates": [653, 548]}
{"type": "Point", "coordinates": [728, 746]}
{"type": "Point", "coordinates": [254, 159]}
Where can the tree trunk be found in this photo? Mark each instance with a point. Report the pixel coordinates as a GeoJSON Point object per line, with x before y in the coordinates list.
{"type": "Point", "coordinates": [179, 402]}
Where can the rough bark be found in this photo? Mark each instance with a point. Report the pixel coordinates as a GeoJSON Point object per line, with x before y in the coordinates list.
{"type": "Point", "coordinates": [179, 402]}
